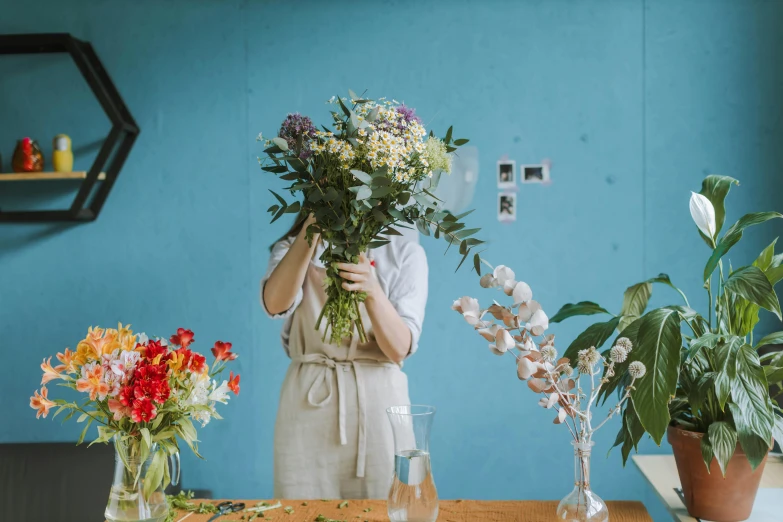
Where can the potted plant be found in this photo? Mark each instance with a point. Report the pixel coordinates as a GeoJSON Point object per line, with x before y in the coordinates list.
{"type": "Point", "coordinates": [708, 388]}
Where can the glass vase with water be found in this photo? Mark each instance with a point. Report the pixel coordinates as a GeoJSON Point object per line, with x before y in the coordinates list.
{"type": "Point", "coordinates": [412, 497]}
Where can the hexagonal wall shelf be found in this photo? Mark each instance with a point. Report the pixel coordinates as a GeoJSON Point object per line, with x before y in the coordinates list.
{"type": "Point", "coordinates": [115, 148]}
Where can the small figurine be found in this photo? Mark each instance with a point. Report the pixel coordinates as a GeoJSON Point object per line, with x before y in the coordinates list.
{"type": "Point", "coordinates": [27, 156]}
{"type": "Point", "coordinates": [62, 155]}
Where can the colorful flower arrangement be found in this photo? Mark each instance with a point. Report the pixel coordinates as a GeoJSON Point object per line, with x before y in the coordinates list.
{"type": "Point", "coordinates": [143, 393]}
{"type": "Point", "coordinates": [520, 332]}
{"type": "Point", "coordinates": [373, 169]}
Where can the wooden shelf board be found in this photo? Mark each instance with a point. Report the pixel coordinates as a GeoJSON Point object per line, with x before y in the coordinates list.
{"type": "Point", "coordinates": [38, 176]}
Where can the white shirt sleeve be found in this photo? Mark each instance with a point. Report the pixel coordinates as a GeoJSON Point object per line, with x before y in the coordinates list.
{"type": "Point", "coordinates": [279, 250]}
{"type": "Point", "coordinates": [409, 293]}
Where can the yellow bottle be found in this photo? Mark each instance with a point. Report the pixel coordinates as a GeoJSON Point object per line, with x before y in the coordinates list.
{"type": "Point", "coordinates": [62, 156]}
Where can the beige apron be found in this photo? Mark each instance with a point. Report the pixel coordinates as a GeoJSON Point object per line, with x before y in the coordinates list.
{"type": "Point", "coordinates": [332, 436]}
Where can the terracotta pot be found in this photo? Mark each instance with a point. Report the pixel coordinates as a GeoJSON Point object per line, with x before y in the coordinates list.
{"type": "Point", "coordinates": [708, 495]}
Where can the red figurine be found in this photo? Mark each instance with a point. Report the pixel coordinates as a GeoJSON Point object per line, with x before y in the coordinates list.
{"type": "Point", "coordinates": [27, 156]}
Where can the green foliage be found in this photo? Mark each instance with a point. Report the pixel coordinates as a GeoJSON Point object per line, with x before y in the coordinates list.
{"type": "Point", "coordinates": [356, 206]}
{"type": "Point", "coordinates": [703, 374]}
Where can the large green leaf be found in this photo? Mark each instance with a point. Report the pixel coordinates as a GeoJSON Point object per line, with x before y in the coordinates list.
{"type": "Point", "coordinates": [723, 439]}
{"type": "Point", "coordinates": [658, 347]}
{"type": "Point", "coordinates": [777, 429]}
{"type": "Point", "coordinates": [595, 335]}
{"type": "Point", "coordinates": [715, 188]}
{"type": "Point", "coordinates": [755, 447]}
{"type": "Point", "coordinates": [749, 392]}
{"type": "Point", "coordinates": [580, 308]}
{"type": "Point", "coordinates": [733, 235]}
{"type": "Point", "coordinates": [725, 357]}
{"type": "Point", "coordinates": [154, 475]}
{"type": "Point", "coordinates": [764, 261]}
{"type": "Point", "coordinates": [634, 430]}
{"type": "Point", "coordinates": [751, 283]}
{"type": "Point", "coordinates": [708, 340]}
{"type": "Point", "coordinates": [635, 301]}
{"type": "Point", "coordinates": [773, 338]}
{"type": "Point", "coordinates": [664, 279]}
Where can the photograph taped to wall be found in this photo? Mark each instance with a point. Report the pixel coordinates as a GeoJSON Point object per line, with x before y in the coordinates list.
{"type": "Point", "coordinates": [507, 206]}
{"type": "Point", "coordinates": [535, 173]}
{"type": "Point", "coordinates": [506, 174]}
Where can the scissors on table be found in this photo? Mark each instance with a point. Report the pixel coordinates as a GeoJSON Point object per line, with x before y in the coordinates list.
{"type": "Point", "coordinates": [224, 508]}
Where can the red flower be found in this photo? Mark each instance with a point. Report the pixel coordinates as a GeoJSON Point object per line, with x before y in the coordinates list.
{"type": "Point", "coordinates": [197, 363]}
{"type": "Point", "coordinates": [126, 395]}
{"type": "Point", "coordinates": [222, 352]}
{"type": "Point", "coordinates": [154, 348]}
{"type": "Point", "coordinates": [183, 338]}
{"type": "Point", "coordinates": [143, 410]}
{"type": "Point", "coordinates": [233, 383]}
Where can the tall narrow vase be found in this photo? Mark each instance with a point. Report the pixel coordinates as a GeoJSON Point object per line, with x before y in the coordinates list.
{"type": "Point", "coordinates": [412, 497]}
{"type": "Point", "coordinates": [137, 490]}
{"type": "Point", "coordinates": [582, 505]}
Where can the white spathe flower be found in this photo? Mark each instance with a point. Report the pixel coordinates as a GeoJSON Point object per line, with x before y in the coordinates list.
{"type": "Point", "coordinates": [637, 369]}
{"type": "Point", "coordinates": [538, 323]}
{"type": "Point", "coordinates": [526, 311]}
{"type": "Point", "coordinates": [469, 308]}
{"type": "Point", "coordinates": [502, 273]}
{"type": "Point", "coordinates": [522, 293]}
{"type": "Point", "coordinates": [703, 214]}
{"type": "Point", "coordinates": [618, 354]}
{"type": "Point", "coordinates": [503, 341]}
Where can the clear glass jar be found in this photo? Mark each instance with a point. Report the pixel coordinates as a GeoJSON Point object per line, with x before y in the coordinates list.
{"type": "Point", "coordinates": [582, 505]}
{"type": "Point", "coordinates": [137, 490]}
{"type": "Point", "coordinates": [412, 497]}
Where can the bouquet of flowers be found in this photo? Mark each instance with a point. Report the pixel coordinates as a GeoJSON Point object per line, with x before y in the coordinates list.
{"type": "Point", "coordinates": [143, 393]}
{"type": "Point", "coordinates": [373, 169]}
{"type": "Point", "coordinates": [519, 330]}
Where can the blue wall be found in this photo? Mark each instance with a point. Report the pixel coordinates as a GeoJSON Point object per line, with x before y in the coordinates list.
{"type": "Point", "coordinates": [633, 101]}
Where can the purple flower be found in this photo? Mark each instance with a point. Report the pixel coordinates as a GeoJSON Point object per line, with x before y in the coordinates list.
{"type": "Point", "coordinates": [294, 126]}
{"type": "Point", "coordinates": [408, 113]}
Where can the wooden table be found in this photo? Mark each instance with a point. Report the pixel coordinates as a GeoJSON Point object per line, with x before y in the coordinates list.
{"type": "Point", "coordinates": [450, 511]}
{"type": "Point", "coordinates": [661, 472]}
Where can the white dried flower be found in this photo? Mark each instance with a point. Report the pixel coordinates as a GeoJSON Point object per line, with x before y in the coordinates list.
{"type": "Point", "coordinates": [624, 343]}
{"type": "Point", "coordinates": [488, 281]}
{"type": "Point", "coordinates": [526, 311]}
{"type": "Point", "coordinates": [503, 274]}
{"type": "Point", "coordinates": [583, 367]}
{"type": "Point", "coordinates": [590, 356]}
{"type": "Point", "coordinates": [637, 369]}
{"type": "Point", "coordinates": [469, 308]}
{"type": "Point", "coordinates": [618, 354]}
{"type": "Point", "coordinates": [568, 370]}
{"type": "Point", "coordinates": [538, 323]}
{"type": "Point", "coordinates": [549, 353]}
{"type": "Point", "coordinates": [503, 341]}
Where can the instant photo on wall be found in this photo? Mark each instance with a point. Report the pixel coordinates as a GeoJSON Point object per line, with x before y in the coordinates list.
{"type": "Point", "coordinates": [506, 174]}
{"type": "Point", "coordinates": [507, 206]}
{"type": "Point", "coordinates": [534, 173]}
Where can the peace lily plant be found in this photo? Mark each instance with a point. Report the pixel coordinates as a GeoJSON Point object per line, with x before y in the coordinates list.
{"type": "Point", "coordinates": [705, 374]}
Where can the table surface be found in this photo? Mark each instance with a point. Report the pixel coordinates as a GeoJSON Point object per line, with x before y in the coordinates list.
{"type": "Point", "coordinates": [450, 511]}
{"type": "Point", "coordinates": [661, 472]}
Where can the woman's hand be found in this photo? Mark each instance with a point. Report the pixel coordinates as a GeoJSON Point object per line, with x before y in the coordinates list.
{"type": "Point", "coordinates": [359, 277]}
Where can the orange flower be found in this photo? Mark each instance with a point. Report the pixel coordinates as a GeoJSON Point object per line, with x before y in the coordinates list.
{"type": "Point", "coordinates": [50, 373]}
{"type": "Point", "coordinates": [40, 402]}
{"type": "Point", "coordinates": [67, 360]}
{"type": "Point", "coordinates": [98, 342]}
{"type": "Point", "coordinates": [92, 381]}
{"type": "Point", "coordinates": [233, 383]}
{"type": "Point", "coordinates": [222, 351]}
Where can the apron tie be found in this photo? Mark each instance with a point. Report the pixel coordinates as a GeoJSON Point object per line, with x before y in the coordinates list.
{"type": "Point", "coordinates": [323, 380]}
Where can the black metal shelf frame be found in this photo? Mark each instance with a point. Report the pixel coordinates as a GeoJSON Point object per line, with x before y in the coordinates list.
{"type": "Point", "coordinates": [116, 146]}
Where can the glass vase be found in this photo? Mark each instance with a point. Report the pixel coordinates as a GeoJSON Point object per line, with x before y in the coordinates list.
{"type": "Point", "coordinates": [137, 489]}
{"type": "Point", "coordinates": [582, 505]}
{"type": "Point", "coordinates": [412, 497]}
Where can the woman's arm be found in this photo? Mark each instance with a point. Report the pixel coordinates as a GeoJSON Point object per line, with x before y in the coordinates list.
{"type": "Point", "coordinates": [392, 334]}
{"type": "Point", "coordinates": [278, 293]}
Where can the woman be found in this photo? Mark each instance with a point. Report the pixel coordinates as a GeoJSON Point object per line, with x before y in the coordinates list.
{"type": "Point", "coordinates": [332, 437]}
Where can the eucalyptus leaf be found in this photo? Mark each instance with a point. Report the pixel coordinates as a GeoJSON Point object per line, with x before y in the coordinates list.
{"type": "Point", "coordinates": [363, 193]}
{"type": "Point", "coordinates": [574, 309]}
{"type": "Point", "coordinates": [281, 144]}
